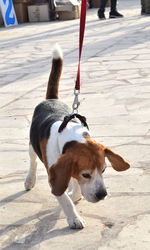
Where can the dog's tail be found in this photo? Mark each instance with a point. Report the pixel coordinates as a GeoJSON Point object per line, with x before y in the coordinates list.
{"type": "Point", "coordinates": [53, 83]}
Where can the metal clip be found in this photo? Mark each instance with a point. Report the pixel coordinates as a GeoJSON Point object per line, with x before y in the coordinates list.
{"type": "Point", "coordinates": [76, 102]}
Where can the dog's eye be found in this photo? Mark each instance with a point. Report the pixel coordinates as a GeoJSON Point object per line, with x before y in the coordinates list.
{"type": "Point", "coordinates": [103, 170]}
{"type": "Point", "coordinates": [87, 176]}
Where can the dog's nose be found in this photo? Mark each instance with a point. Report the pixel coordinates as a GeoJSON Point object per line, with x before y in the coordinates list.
{"type": "Point", "coordinates": [101, 195]}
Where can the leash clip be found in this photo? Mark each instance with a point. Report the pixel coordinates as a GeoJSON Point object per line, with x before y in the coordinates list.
{"type": "Point", "coordinates": [76, 102]}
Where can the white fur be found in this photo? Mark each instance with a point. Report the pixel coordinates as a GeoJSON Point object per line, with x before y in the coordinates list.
{"type": "Point", "coordinates": [56, 142]}
{"type": "Point", "coordinates": [89, 188]}
{"type": "Point", "coordinates": [73, 218]}
{"type": "Point", "coordinates": [52, 150]}
{"type": "Point", "coordinates": [31, 177]}
{"type": "Point", "coordinates": [74, 190]}
{"type": "Point", "coordinates": [57, 52]}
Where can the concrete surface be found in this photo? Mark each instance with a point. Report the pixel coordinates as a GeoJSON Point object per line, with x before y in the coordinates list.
{"type": "Point", "coordinates": [115, 97]}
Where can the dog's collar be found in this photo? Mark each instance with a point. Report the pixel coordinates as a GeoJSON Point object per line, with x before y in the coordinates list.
{"type": "Point", "coordinates": [68, 118]}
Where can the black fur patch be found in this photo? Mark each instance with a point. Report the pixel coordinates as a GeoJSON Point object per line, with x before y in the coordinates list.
{"type": "Point", "coordinates": [68, 145]}
{"type": "Point", "coordinates": [45, 114]}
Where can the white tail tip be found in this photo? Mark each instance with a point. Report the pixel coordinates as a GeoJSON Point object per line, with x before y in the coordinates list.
{"type": "Point", "coordinates": [57, 52]}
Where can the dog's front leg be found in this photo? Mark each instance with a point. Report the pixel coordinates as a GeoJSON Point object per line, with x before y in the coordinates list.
{"type": "Point", "coordinates": [73, 218]}
{"type": "Point", "coordinates": [74, 190]}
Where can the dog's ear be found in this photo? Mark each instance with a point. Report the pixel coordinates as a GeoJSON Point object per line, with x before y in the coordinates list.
{"type": "Point", "coordinates": [60, 174]}
{"type": "Point", "coordinates": [117, 162]}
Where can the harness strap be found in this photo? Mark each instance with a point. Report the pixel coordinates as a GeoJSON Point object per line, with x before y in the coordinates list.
{"type": "Point", "coordinates": [68, 118]}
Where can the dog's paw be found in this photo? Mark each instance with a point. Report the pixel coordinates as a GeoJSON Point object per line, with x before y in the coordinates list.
{"type": "Point", "coordinates": [76, 223]}
{"type": "Point", "coordinates": [29, 182]}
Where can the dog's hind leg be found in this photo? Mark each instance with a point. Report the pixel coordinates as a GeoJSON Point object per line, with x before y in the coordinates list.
{"type": "Point", "coordinates": [31, 177]}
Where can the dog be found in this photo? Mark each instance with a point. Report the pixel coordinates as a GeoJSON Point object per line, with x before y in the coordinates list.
{"type": "Point", "coordinates": [70, 156]}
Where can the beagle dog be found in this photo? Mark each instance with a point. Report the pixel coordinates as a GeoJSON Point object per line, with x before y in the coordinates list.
{"type": "Point", "coordinates": [72, 159]}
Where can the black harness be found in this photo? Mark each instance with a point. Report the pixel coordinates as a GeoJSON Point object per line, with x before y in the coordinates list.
{"type": "Point", "coordinates": [68, 118]}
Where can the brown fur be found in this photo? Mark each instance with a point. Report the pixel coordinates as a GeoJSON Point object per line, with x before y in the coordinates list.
{"type": "Point", "coordinates": [76, 159]}
{"type": "Point", "coordinates": [43, 145]}
{"type": "Point", "coordinates": [60, 174]}
{"type": "Point", "coordinates": [116, 160]}
{"type": "Point", "coordinates": [53, 83]}
{"type": "Point", "coordinates": [81, 157]}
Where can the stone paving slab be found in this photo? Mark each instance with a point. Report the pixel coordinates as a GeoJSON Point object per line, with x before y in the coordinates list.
{"type": "Point", "coordinates": [115, 94]}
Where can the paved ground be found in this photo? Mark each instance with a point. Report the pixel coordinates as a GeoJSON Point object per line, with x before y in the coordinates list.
{"type": "Point", "coordinates": [116, 101]}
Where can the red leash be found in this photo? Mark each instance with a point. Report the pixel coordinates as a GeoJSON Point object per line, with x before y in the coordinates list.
{"type": "Point", "coordinates": [81, 36]}
{"type": "Point", "coordinates": [82, 28]}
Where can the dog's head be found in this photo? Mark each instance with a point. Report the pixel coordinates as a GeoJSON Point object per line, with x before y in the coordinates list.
{"type": "Point", "coordinates": [86, 163]}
